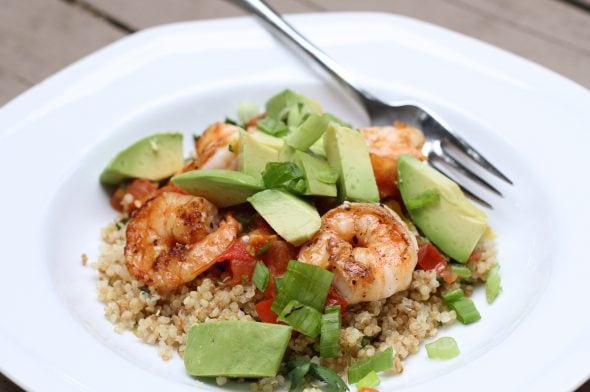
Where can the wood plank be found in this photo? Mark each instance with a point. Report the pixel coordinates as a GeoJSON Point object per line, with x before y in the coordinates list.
{"type": "Point", "coordinates": [146, 13]}
{"type": "Point", "coordinates": [556, 21]}
{"type": "Point", "coordinates": [569, 61]}
{"type": "Point", "coordinates": [39, 37]}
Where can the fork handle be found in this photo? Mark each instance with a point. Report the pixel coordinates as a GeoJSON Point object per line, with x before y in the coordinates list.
{"type": "Point", "coordinates": [272, 18]}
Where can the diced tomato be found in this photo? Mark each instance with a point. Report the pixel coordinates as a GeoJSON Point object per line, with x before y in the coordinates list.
{"type": "Point", "coordinates": [334, 298]}
{"type": "Point", "coordinates": [241, 263]}
{"type": "Point", "coordinates": [367, 389]}
{"type": "Point", "coordinates": [430, 258]}
{"type": "Point", "coordinates": [140, 189]}
{"type": "Point", "coordinates": [277, 256]}
{"type": "Point", "coordinates": [264, 312]}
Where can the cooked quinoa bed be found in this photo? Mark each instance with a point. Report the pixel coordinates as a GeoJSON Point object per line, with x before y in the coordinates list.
{"type": "Point", "coordinates": [401, 321]}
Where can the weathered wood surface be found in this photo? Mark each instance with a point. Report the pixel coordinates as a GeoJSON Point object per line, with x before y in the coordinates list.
{"type": "Point", "coordinates": [39, 37]}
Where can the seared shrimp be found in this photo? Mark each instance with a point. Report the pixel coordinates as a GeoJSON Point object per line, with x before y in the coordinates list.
{"type": "Point", "coordinates": [385, 145]}
{"type": "Point", "coordinates": [173, 238]}
{"type": "Point", "coordinates": [370, 250]}
{"type": "Point", "coordinates": [217, 148]}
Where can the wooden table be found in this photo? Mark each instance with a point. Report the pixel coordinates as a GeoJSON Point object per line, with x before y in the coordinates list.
{"type": "Point", "coordinates": [39, 37]}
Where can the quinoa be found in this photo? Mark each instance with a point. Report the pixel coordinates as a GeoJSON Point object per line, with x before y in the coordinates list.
{"type": "Point", "coordinates": [402, 321]}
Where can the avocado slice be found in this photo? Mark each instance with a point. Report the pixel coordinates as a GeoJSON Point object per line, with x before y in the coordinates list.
{"type": "Point", "coordinates": [235, 348]}
{"type": "Point", "coordinates": [254, 156]}
{"type": "Point", "coordinates": [224, 188]}
{"type": "Point", "coordinates": [290, 106]}
{"type": "Point", "coordinates": [268, 140]}
{"type": "Point", "coordinates": [292, 218]}
{"type": "Point", "coordinates": [452, 223]}
{"type": "Point", "coordinates": [306, 134]}
{"type": "Point", "coordinates": [348, 154]}
{"type": "Point", "coordinates": [154, 158]}
{"type": "Point", "coordinates": [313, 169]}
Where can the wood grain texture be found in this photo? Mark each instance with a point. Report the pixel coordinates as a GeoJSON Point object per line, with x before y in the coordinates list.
{"type": "Point", "coordinates": [145, 13]}
{"type": "Point", "coordinates": [491, 24]}
{"type": "Point", "coordinates": [39, 37]}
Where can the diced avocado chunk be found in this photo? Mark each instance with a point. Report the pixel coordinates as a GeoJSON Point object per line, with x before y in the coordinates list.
{"type": "Point", "coordinates": [280, 105]}
{"type": "Point", "coordinates": [314, 168]}
{"type": "Point", "coordinates": [254, 155]}
{"type": "Point", "coordinates": [348, 154]}
{"type": "Point", "coordinates": [268, 140]}
{"type": "Point", "coordinates": [306, 134]}
{"type": "Point", "coordinates": [291, 217]}
{"type": "Point", "coordinates": [318, 147]}
{"type": "Point", "coordinates": [235, 349]}
{"type": "Point", "coordinates": [154, 158]}
{"type": "Point", "coordinates": [453, 224]}
{"type": "Point", "coordinates": [223, 188]}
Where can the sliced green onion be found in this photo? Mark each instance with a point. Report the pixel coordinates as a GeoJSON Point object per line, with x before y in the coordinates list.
{"type": "Point", "coordinates": [305, 283]}
{"type": "Point", "coordinates": [493, 287]}
{"type": "Point", "coordinates": [466, 311]}
{"type": "Point", "coordinates": [328, 176]}
{"type": "Point", "coordinates": [462, 271]}
{"type": "Point", "coordinates": [279, 105]}
{"type": "Point", "coordinates": [264, 249]}
{"type": "Point", "coordinates": [297, 115]}
{"type": "Point", "coordinates": [272, 126]}
{"type": "Point", "coordinates": [308, 132]}
{"type": "Point", "coordinates": [330, 333]}
{"type": "Point", "coordinates": [428, 197]}
{"type": "Point", "coordinates": [247, 111]}
{"type": "Point", "coordinates": [298, 369]}
{"type": "Point", "coordinates": [443, 348]}
{"type": "Point", "coordinates": [278, 283]}
{"type": "Point", "coordinates": [302, 318]}
{"type": "Point", "coordinates": [278, 174]}
{"type": "Point", "coordinates": [369, 381]}
{"type": "Point", "coordinates": [453, 295]}
{"type": "Point", "coordinates": [378, 362]}
{"type": "Point", "coordinates": [261, 276]}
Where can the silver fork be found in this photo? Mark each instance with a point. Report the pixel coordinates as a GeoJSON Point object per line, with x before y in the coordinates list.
{"type": "Point", "coordinates": [438, 136]}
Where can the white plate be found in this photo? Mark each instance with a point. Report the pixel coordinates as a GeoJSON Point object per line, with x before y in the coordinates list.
{"type": "Point", "coordinates": [55, 139]}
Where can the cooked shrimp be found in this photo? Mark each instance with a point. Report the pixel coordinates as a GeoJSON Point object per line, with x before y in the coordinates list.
{"type": "Point", "coordinates": [173, 238]}
{"type": "Point", "coordinates": [385, 145]}
{"type": "Point", "coordinates": [217, 148]}
{"type": "Point", "coordinates": [370, 250]}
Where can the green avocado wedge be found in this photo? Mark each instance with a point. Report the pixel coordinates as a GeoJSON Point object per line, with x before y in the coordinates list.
{"type": "Point", "coordinates": [154, 158]}
{"type": "Point", "coordinates": [224, 188]}
{"type": "Point", "coordinates": [348, 154]}
{"type": "Point", "coordinates": [291, 217]}
{"type": "Point", "coordinates": [235, 349]}
{"type": "Point", "coordinates": [449, 220]}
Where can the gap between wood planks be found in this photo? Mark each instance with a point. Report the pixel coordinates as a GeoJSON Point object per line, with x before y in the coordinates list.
{"type": "Point", "coordinates": [116, 23]}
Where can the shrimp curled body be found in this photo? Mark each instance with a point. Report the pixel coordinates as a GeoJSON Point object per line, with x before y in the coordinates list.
{"type": "Point", "coordinates": [173, 238]}
{"type": "Point", "coordinates": [370, 250]}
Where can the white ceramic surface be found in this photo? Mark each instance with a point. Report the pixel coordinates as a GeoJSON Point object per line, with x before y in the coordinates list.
{"type": "Point", "coordinates": [55, 139]}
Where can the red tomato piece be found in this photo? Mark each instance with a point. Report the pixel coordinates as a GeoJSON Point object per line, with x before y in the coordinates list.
{"type": "Point", "coordinates": [241, 263]}
{"type": "Point", "coordinates": [265, 314]}
{"type": "Point", "coordinates": [334, 298]}
{"type": "Point", "coordinates": [429, 257]}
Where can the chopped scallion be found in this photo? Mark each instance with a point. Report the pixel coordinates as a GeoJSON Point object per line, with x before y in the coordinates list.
{"type": "Point", "coordinates": [462, 271]}
{"type": "Point", "coordinates": [298, 369]}
{"type": "Point", "coordinates": [261, 276]}
{"type": "Point", "coordinates": [297, 186]}
{"type": "Point", "coordinates": [306, 134]}
{"type": "Point", "coordinates": [302, 318]}
{"type": "Point", "coordinates": [278, 174]}
{"type": "Point", "coordinates": [230, 121]}
{"type": "Point", "coordinates": [330, 333]}
{"type": "Point", "coordinates": [264, 249]}
{"type": "Point", "coordinates": [443, 348]}
{"type": "Point", "coordinates": [466, 311]}
{"type": "Point", "coordinates": [493, 284]}
{"type": "Point", "coordinates": [378, 362]}
{"type": "Point", "coordinates": [305, 283]}
{"type": "Point", "coordinates": [272, 126]}
{"type": "Point", "coordinates": [329, 176]}
{"type": "Point", "coordinates": [369, 381]}
{"type": "Point", "coordinates": [428, 197]}
{"type": "Point", "coordinates": [453, 295]}
{"type": "Point", "coordinates": [278, 283]}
